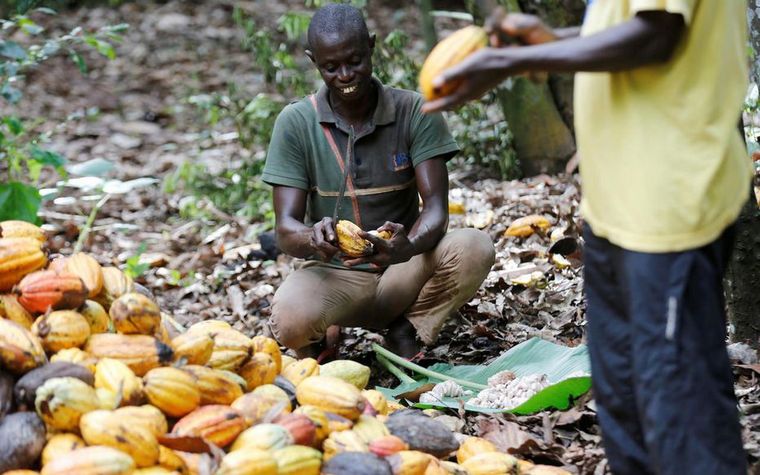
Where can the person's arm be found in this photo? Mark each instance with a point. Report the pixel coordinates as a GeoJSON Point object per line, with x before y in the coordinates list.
{"type": "Point", "coordinates": [293, 236]}
{"type": "Point", "coordinates": [433, 185]}
{"type": "Point", "coordinates": [648, 38]}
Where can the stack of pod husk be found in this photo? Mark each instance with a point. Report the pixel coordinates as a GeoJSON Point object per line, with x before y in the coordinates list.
{"type": "Point", "coordinates": [95, 379]}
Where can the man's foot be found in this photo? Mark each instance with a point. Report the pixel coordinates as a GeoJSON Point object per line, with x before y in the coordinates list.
{"type": "Point", "coordinates": [402, 338]}
{"type": "Point", "coordinates": [324, 350]}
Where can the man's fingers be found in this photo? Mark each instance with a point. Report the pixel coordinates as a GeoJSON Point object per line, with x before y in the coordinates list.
{"type": "Point", "coordinates": [442, 104]}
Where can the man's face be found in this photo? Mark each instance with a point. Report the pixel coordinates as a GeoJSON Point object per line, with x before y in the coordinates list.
{"type": "Point", "coordinates": [345, 62]}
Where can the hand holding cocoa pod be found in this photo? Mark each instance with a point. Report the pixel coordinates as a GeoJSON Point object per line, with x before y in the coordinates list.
{"type": "Point", "coordinates": [390, 245]}
{"type": "Point", "coordinates": [324, 239]}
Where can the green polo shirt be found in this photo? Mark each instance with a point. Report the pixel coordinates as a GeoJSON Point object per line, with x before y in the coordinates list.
{"type": "Point", "coordinates": [381, 186]}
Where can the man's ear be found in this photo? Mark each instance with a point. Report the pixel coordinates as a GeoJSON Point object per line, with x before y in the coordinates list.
{"type": "Point", "coordinates": [372, 39]}
{"type": "Point", "coordinates": [310, 55]}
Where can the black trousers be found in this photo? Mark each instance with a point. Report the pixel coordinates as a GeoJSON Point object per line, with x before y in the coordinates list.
{"type": "Point", "coordinates": [662, 377]}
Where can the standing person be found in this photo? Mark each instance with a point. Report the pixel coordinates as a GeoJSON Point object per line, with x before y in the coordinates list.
{"type": "Point", "coordinates": [665, 174]}
{"type": "Point", "coordinates": [418, 277]}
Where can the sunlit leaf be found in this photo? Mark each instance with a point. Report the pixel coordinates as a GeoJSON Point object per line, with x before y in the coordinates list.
{"type": "Point", "coordinates": [12, 50]}
{"type": "Point", "coordinates": [19, 201]}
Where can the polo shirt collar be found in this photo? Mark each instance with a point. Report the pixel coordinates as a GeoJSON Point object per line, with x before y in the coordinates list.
{"type": "Point", "coordinates": [385, 111]}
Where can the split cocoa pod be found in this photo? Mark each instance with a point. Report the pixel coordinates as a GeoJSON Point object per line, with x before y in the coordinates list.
{"type": "Point", "coordinates": [449, 52]}
{"type": "Point", "coordinates": [351, 243]}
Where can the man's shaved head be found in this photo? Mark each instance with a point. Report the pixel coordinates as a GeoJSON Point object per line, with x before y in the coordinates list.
{"type": "Point", "coordinates": [335, 19]}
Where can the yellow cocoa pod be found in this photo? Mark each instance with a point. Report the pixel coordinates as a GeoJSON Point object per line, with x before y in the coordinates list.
{"type": "Point", "coordinates": [331, 395]}
{"type": "Point", "coordinates": [155, 470]}
{"type": "Point", "coordinates": [410, 462]}
{"type": "Point", "coordinates": [377, 400]}
{"type": "Point", "coordinates": [435, 467]}
{"type": "Point", "coordinates": [110, 429]}
{"type": "Point", "coordinates": [287, 361]}
{"type": "Point", "coordinates": [217, 423]}
{"type": "Point", "coordinates": [59, 445]}
{"type": "Point", "coordinates": [260, 369]}
{"type": "Point", "coordinates": [525, 226]}
{"type": "Point", "coordinates": [115, 284]}
{"type": "Point", "coordinates": [370, 429]}
{"type": "Point", "coordinates": [61, 402]}
{"type": "Point", "coordinates": [19, 257]}
{"type": "Point", "coordinates": [248, 462]}
{"type": "Point", "coordinates": [257, 407]}
{"type": "Point", "coordinates": [300, 370]}
{"type": "Point", "coordinates": [116, 377]}
{"type": "Point", "coordinates": [194, 347]}
{"type": "Point", "coordinates": [209, 327]}
{"type": "Point", "coordinates": [453, 468]}
{"type": "Point", "coordinates": [298, 460]}
{"type": "Point", "coordinates": [149, 416]}
{"type": "Point", "coordinates": [168, 458]}
{"type": "Point", "coordinates": [490, 463]}
{"type": "Point", "coordinates": [97, 460]}
{"type": "Point", "coordinates": [215, 386]}
{"type": "Point", "coordinates": [172, 390]}
{"type": "Point", "coordinates": [87, 268]}
{"type": "Point", "coordinates": [96, 317]}
{"type": "Point", "coordinates": [231, 350]}
{"type": "Point", "coordinates": [61, 329]}
{"type": "Point", "coordinates": [473, 446]}
{"type": "Point", "coordinates": [140, 352]}
{"type": "Point", "coordinates": [347, 370]}
{"type": "Point", "coordinates": [349, 241]}
{"type": "Point", "coordinates": [76, 355]}
{"type": "Point", "coordinates": [448, 52]}
{"type": "Point", "coordinates": [134, 313]}
{"type": "Point", "coordinates": [263, 437]}
{"type": "Point", "coordinates": [263, 344]}
{"type": "Point", "coordinates": [22, 229]}
{"type": "Point", "coordinates": [343, 441]}
{"type": "Point", "coordinates": [20, 350]}
{"type": "Point", "coordinates": [14, 311]}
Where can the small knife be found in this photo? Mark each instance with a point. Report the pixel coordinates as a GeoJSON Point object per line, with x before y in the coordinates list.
{"type": "Point", "coordinates": [346, 171]}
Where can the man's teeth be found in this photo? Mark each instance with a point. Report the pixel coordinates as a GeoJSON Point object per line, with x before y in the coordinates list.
{"type": "Point", "coordinates": [349, 90]}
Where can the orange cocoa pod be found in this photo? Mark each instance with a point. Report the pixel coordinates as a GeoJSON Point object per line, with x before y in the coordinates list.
{"type": "Point", "coordinates": [14, 311]}
{"type": "Point", "coordinates": [88, 269]}
{"type": "Point", "coordinates": [387, 445]}
{"type": "Point", "coordinates": [195, 347]}
{"type": "Point", "coordinates": [260, 369]}
{"type": "Point", "coordinates": [219, 424]}
{"type": "Point", "coordinates": [140, 352]}
{"type": "Point", "coordinates": [97, 459]}
{"type": "Point", "coordinates": [257, 407]}
{"type": "Point", "coordinates": [300, 427]}
{"type": "Point", "coordinates": [22, 229]}
{"type": "Point", "coordinates": [215, 386]}
{"type": "Point", "coordinates": [134, 313]}
{"type": "Point", "coordinates": [172, 390]}
{"type": "Point", "coordinates": [61, 329]}
{"type": "Point", "coordinates": [19, 257]}
{"type": "Point", "coordinates": [20, 350]}
{"type": "Point", "coordinates": [448, 52]}
{"type": "Point", "coordinates": [45, 290]}
{"type": "Point", "coordinates": [263, 344]}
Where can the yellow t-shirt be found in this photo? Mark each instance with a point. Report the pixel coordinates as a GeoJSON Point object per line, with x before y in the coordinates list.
{"type": "Point", "coordinates": [663, 165]}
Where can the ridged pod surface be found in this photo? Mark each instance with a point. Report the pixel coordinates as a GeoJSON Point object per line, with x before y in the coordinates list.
{"type": "Point", "coordinates": [231, 349]}
{"type": "Point", "coordinates": [490, 463]}
{"type": "Point", "coordinates": [195, 347]}
{"type": "Point", "coordinates": [410, 462]}
{"type": "Point", "coordinates": [76, 355]}
{"type": "Point", "coordinates": [22, 229]}
{"type": "Point", "coordinates": [258, 370]}
{"type": "Point", "coordinates": [25, 390]}
{"type": "Point", "coordinates": [331, 395]}
{"type": "Point", "coordinates": [377, 400]}
{"type": "Point", "coordinates": [301, 428]}
{"type": "Point", "coordinates": [115, 284]}
{"type": "Point", "coordinates": [209, 327]}
{"type": "Point", "coordinates": [298, 460]}
{"type": "Point", "coordinates": [96, 316]}
{"type": "Point", "coordinates": [473, 446]}
{"type": "Point", "coordinates": [120, 432]}
{"type": "Point", "coordinates": [140, 352]}
{"type": "Point", "coordinates": [44, 290]}
{"type": "Point", "coordinates": [257, 407]}
{"type": "Point", "coordinates": [20, 350]}
{"type": "Point", "coordinates": [263, 437]}
{"type": "Point", "coordinates": [14, 311]}
{"type": "Point", "coordinates": [341, 442]}
{"type": "Point", "coordinates": [347, 370]}
{"type": "Point", "coordinates": [87, 268]}
{"type": "Point", "coordinates": [349, 241]}
{"type": "Point", "coordinates": [215, 386]}
{"type": "Point", "coordinates": [149, 416]}
{"type": "Point", "coordinates": [318, 417]}
{"type": "Point", "coordinates": [97, 460]}
{"type": "Point", "coordinates": [116, 377]}
{"type": "Point", "coordinates": [61, 402]}
{"type": "Point", "coordinates": [60, 445]}
{"type": "Point", "coordinates": [448, 52]}
{"type": "Point", "coordinates": [264, 344]}
{"type": "Point", "coordinates": [369, 428]}
{"type": "Point", "coordinates": [219, 424]}
{"type": "Point", "coordinates": [19, 257]}
{"type": "Point", "coordinates": [172, 390]}
{"type": "Point", "coordinates": [248, 462]}
{"type": "Point", "coordinates": [61, 329]}
{"type": "Point", "coordinates": [384, 446]}
{"type": "Point", "coordinates": [300, 370]}
{"type": "Point", "coordinates": [134, 313]}
{"type": "Point", "coordinates": [170, 459]}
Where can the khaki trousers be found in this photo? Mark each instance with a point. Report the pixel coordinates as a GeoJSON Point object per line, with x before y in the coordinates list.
{"type": "Point", "coordinates": [426, 290]}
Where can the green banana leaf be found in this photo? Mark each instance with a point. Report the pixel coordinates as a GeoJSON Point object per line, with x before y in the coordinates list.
{"type": "Point", "coordinates": [566, 369]}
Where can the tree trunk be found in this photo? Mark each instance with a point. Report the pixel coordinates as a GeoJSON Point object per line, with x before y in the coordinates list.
{"type": "Point", "coordinates": [543, 140]}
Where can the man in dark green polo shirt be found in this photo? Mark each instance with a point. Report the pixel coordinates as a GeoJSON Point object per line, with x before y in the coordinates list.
{"type": "Point", "coordinates": [416, 279]}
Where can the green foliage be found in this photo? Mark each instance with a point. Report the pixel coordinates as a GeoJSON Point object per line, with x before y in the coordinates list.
{"type": "Point", "coordinates": [21, 149]}
{"type": "Point", "coordinates": [135, 268]}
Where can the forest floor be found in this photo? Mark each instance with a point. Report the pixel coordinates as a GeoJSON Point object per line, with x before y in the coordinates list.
{"type": "Point", "coordinates": [210, 264]}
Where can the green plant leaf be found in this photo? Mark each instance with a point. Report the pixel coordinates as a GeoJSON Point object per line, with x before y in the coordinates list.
{"type": "Point", "coordinates": [12, 50]}
{"type": "Point", "coordinates": [19, 201]}
{"type": "Point", "coordinates": [79, 61]}
{"type": "Point", "coordinates": [566, 368]}
{"type": "Point", "coordinates": [15, 126]}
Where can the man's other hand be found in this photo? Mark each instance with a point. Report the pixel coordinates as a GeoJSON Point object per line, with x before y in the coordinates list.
{"type": "Point", "coordinates": [398, 248]}
{"type": "Point", "coordinates": [324, 239]}
{"type": "Point", "coordinates": [526, 29]}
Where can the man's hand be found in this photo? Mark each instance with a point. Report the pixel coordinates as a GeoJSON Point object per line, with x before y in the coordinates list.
{"type": "Point", "coordinates": [324, 239]}
{"type": "Point", "coordinates": [526, 29]}
{"type": "Point", "coordinates": [398, 248]}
